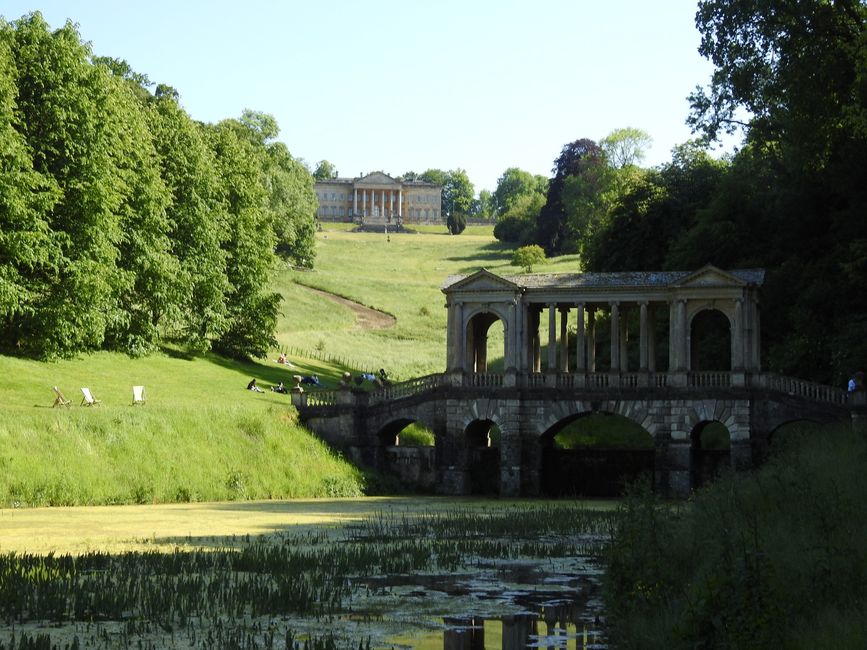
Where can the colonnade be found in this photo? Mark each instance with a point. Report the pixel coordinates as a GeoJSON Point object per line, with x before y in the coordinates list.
{"type": "Point", "coordinates": [386, 207]}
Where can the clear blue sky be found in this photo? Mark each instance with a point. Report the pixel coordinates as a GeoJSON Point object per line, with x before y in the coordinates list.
{"type": "Point", "coordinates": [402, 85]}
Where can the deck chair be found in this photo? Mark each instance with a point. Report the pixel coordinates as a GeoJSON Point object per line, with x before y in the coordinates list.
{"type": "Point", "coordinates": [138, 396]}
{"type": "Point", "coordinates": [59, 399]}
{"type": "Point", "coordinates": [88, 399]}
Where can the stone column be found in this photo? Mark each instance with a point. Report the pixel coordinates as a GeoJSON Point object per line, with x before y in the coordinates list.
{"type": "Point", "coordinates": [591, 339]}
{"type": "Point", "coordinates": [672, 336]}
{"type": "Point", "coordinates": [624, 340]}
{"type": "Point", "coordinates": [363, 203]}
{"type": "Point", "coordinates": [460, 338]}
{"type": "Point", "coordinates": [382, 202]}
{"type": "Point", "coordinates": [564, 339]}
{"type": "Point", "coordinates": [537, 340]}
{"type": "Point", "coordinates": [552, 337]}
{"type": "Point", "coordinates": [390, 203]}
{"type": "Point", "coordinates": [579, 343]}
{"type": "Point", "coordinates": [400, 203]}
{"type": "Point", "coordinates": [642, 337]}
{"type": "Point", "coordinates": [738, 337]}
{"type": "Point", "coordinates": [651, 341]}
{"type": "Point", "coordinates": [615, 337]}
{"type": "Point", "coordinates": [354, 201]}
{"type": "Point", "coordinates": [682, 337]}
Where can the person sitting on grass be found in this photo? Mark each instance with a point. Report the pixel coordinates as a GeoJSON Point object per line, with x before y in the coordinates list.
{"type": "Point", "coordinates": [279, 388]}
{"type": "Point", "coordinates": [282, 358]}
{"type": "Point", "coordinates": [252, 386]}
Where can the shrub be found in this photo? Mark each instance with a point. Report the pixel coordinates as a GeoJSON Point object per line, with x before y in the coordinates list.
{"type": "Point", "coordinates": [527, 256]}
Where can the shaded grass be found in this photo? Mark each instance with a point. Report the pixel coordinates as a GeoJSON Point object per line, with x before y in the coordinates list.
{"type": "Point", "coordinates": [772, 559]}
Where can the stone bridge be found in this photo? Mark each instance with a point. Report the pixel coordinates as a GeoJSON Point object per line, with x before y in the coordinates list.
{"type": "Point", "coordinates": [530, 410]}
{"type": "Point", "coordinates": [670, 351]}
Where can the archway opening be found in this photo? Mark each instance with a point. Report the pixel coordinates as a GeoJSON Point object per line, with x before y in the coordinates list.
{"type": "Point", "coordinates": [710, 452]}
{"type": "Point", "coordinates": [485, 343]}
{"type": "Point", "coordinates": [482, 439]}
{"type": "Point", "coordinates": [710, 342]}
{"type": "Point", "coordinates": [595, 454]}
{"type": "Point", "coordinates": [789, 434]}
{"type": "Point", "coordinates": [407, 453]}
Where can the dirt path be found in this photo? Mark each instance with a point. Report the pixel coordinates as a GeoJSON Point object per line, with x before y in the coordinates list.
{"type": "Point", "coordinates": [365, 317]}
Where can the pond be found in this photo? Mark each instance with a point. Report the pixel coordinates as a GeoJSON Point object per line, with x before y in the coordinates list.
{"type": "Point", "coordinates": [455, 576]}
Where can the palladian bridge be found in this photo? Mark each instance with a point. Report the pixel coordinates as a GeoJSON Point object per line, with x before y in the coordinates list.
{"type": "Point", "coordinates": [672, 352]}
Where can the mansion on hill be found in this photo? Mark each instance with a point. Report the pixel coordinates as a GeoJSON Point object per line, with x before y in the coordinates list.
{"type": "Point", "coordinates": [379, 199]}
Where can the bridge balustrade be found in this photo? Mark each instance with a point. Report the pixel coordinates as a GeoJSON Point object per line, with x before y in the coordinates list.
{"type": "Point", "coordinates": [318, 398]}
{"type": "Point", "coordinates": [800, 388]}
{"type": "Point", "coordinates": [407, 388]}
{"type": "Point", "coordinates": [709, 380]}
{"type": "Point", "coordinates": [484, 379]}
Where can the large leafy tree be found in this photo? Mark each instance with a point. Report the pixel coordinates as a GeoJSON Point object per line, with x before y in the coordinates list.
{"type": "Point", "coordinates": [579, 176]}
{"type": "Point", "coordinates": [66, 118]}
{"type": "Point", "coordinates": [30, 251]}
{"type": "Point", "coordinates": [513, 184]}
{"type": "Point", "coordinates": [458, 192]}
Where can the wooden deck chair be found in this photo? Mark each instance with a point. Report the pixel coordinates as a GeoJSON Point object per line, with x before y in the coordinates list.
{"type": "Point", "coordinates": [88, 399]}
{"type": "Point", "coordinates": [59, 399]}
{"type": "Point", "coordinates": [138, 396]}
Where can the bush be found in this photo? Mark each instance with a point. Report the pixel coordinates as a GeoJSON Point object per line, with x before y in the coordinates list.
{"type": "Point", "coordinates": [753, 561]}
{"type": "Point", "coordinates": [514, 230]}
{"type": "Point", "coordinates": [528, 256]}
{"type": "Point", "coordinates": [456, 223]}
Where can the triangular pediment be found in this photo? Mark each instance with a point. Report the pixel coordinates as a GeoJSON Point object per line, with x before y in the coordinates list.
{"type": "Point", "coordinates": [482, 280]}
{"type": "Point", "coordinates": [376, 178]}
{"type": "Point", "coordinates": [709, 276]}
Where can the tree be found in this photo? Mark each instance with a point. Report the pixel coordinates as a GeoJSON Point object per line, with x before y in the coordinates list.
{"type": "Point", "coordinates": [583, 161]}
{"type": "Point", "coordinates": [528, 256]}
{"type": "Point", "coordinates": [324, 170]}
{"type": "Point", "coordinates": [789, 72]}
{"type": "Point", "coordinates": [625, 147]}
{"type": "Point", "coordinates": [518, 224]}
{"type": "Point", "coordinates": [457, 193]}
{"type": "Point", "coordinates": [483, 207]}
{"type": "Point", "coordinates": [513, 184]}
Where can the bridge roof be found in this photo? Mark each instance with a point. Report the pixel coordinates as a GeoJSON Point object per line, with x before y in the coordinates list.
{"type": "Point", "coordinates": [623, 279]}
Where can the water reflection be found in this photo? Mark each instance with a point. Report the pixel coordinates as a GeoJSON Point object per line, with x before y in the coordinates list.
{"type": "Point", "coordinates": [560, 626]}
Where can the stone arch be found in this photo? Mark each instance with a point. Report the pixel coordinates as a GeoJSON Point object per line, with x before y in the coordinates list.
{"type": "Point", "coordinates": [599, 469]}
{"type": "Point", "coordinates": [482, 457]}
{"type": "Point", "coordinates": [477, 324]}
{"type": "Point", "coordinates": [412, 465]}
{"type": "Point", "coordinates": [711, 340]}
{"type": "Point", "coordinates": [710, 451]}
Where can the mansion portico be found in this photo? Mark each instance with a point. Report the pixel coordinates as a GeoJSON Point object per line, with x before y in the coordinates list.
{"type": "Point", "coordinates": [379, 199]}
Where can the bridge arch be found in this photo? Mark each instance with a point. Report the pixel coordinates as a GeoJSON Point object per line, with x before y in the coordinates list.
{"type": "Point", "coordinates": [478, 324]}
{"type": "Point", "coordinates": [710, 452]}
{"type": "Point", "coordinates": [594, 453]}
{"type": "Point", "coordinates": [481, 443]}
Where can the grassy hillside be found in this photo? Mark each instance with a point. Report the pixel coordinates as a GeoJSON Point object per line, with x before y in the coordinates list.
{"type": "Point", "coordinates": [201, 436]}
{"type": "Point", "coordinates": [401, 275]}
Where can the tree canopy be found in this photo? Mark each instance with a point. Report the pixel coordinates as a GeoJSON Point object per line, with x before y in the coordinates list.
{"type": "Point", "coordinates": [122, 220]}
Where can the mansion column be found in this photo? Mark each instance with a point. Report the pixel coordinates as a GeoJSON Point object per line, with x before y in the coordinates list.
{"type": "Point", "coordinates": [651, 340]}
{"type": "Point", "coordinates": [382, 202]}
{"type": "Point", "coordinates": [391, 203]}
{"type": "Point", "coordinates": [579, 343]}
{"type": "Point", "coordinates": [615, 337]}
{"type": "Point", "coordinates": [552, 337]}
{"type": "Point", "coordinates": [354, 201]}
{"type": "Point", "coordinates": [363, 203]}
{"type": "Point", "coordinates": [564, 339]}
{"type": "Point", "coordinates": [400, 202]}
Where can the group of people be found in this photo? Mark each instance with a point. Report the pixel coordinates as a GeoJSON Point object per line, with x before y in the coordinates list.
{"type": "Point", "coordinates": [380, 379]}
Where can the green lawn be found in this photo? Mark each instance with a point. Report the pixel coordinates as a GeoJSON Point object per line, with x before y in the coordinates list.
{"type": "Point", "coordinates": [202, 436]}
{"type": "Point", "coordinates": [401, 275]}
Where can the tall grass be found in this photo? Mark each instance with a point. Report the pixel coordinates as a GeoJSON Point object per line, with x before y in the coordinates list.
{"type": "Point", "coordinates": [773, 559]}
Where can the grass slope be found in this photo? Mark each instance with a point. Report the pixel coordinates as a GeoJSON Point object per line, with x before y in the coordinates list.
{"type": "Point", "coordinates": [201, 436]}
{"type": "Point", "coordinates": [402, 276]}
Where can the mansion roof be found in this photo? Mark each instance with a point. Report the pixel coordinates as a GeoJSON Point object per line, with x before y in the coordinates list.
{"type": "Point", "coordinates": [375, 178]}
